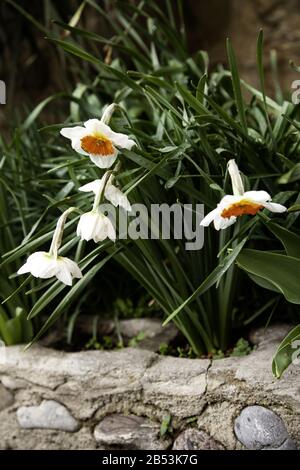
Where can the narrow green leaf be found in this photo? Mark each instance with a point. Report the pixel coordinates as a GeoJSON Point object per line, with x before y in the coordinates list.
{"type": "Point", "coordinates": [212, 279]}
{"type": "Point", "coordinates": [260, 66]}
{"type": "Point", "coordinates": [236, 86]}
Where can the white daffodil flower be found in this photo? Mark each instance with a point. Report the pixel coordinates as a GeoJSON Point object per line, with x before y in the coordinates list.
{"type": "Point", "coordinates": [95, 226]}
{"type": "Point", "coordinates": [232, 206]}
{"type": "Point", "coordinates": [45, 265]}
{"type": "Point", "coordinates": [111, 192]}
{"type": "Point", "coordinates": [97, 140]}
{"type": "Point", "coordinates": [48, 264]}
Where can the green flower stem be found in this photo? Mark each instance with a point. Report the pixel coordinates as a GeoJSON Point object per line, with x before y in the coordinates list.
{"type": "Point", "coordinates": [107, 115]}
{"type": "Point", "coordinates": [100, 194]}
{"type": "Point", "coordinates": [58, 233]}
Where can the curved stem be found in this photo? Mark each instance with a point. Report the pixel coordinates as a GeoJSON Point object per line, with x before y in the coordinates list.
{"type": "Point", "coordinates": [100, 194]}
{"type": "Point", "coordinates": [106, 117]}
{"type": "Point", "coordinates": [58, 232]}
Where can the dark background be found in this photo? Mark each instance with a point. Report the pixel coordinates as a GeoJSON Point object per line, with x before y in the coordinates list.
{"type": "Point", "coordinates": [33, 69]}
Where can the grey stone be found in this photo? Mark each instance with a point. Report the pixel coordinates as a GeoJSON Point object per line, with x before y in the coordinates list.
{"type": "Point", "coordinates": [48, 415]}
{"type": "Point", "coordinates": [105, 371]}
{"type": "Point", "coordinates": [13, 383]}
{"type": "Point", "coordinates": [176, 385]}
{"type": "Point", "coordinates": [257, 427]}
{"type": "Point", "coordinates": [195, 439]}
{"type": "Point", "coordinates": [6, 398]}
{"type": "Point", "coordinates": [289, 444]}
{"type": "Point", "coordinates": [15, 437]}
{"type": "Point", "coordinates": [131, 432]}
{"type": "Point", "coordinates": [132, 327]}
{"type": "Point", "coordinates": [217, 420]}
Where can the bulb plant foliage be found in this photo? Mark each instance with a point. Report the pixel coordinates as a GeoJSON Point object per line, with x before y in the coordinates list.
{"type": "Point", "coordinates": [177, 131]}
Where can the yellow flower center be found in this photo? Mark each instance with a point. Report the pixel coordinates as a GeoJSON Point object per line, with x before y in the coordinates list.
{"type": "Point", "coordinates": [97, 144]}
{"type": "Point", "coordinates": [240, 208]}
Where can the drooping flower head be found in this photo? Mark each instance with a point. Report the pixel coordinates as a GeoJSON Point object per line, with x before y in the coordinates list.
{"type": "Point", "coordinates": [232, 206]}
{"type": "Point", "coordinates": [96, 226]}
{"type": "Point", "coordinates": [97, 140]}
{"type": "Point", "coordinates": [45, 265]}
{"type": "Point", "coordinates": [111, 192]}
{"type": "Point", "coordinates": [49, 264]}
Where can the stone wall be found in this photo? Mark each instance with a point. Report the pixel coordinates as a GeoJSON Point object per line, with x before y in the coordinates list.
{"type": "Point", "coordinates": [210, 23]}
{"type": "Point", "coordinates": [101, 400]}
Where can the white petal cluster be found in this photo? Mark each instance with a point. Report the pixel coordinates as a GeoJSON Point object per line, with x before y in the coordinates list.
{"type": "Point", "coordinates": [229, 204]}
{"type": "Point", "coordinates": [99, 131]}
{"type": "Point", "coordinates": [95, 226]}
{"type": "Point", "coordinates": [44, 265]}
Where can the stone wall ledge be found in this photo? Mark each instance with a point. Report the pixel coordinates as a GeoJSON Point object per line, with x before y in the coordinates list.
{"type": "Point", "coordinates": [52, 399]}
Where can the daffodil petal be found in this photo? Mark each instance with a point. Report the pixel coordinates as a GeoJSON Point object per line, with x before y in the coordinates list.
{"type": "Point", "coordinates": [228, 200]}
{"type": "Point", "coordinates": [43, 265]}
{"type": "Point", "coordinates": [274, 207]}
{"type": "Point", "coordinates": [72, 267]}
{"type": "Point", "coordinates": [117, 197]}
{"type": "Point", "coordinates": [95, 226]}
{"type": "Point", "coordinates": [76, 145]}
{"type": "Point", "coordinates": [39, 264]}
{"type": "Point", "coordinates": [92, 187]}
{"type": "Point", "coordinates": [236, 180]}
{"type": "Point", "coordinates": [87, 224]}
{"type": "Point", "coordinates": [220, 223]}
{"type": "Point", "coordinates": [63, 274]}
{"type": "Point", "coordinates": [95, 126]}
{"type": "Point", "coordinates": [104, 162]}
{"type": "Point", "coordinates": [75, 132]}
{"type": "Point", "coordinates": [257, 196]}
{"type": "Point", "coordinates": [110, 230]}
{"type": "Point", "coordinates": [121, 140]}
{"type": "Point", "coordinates": [210, 217]}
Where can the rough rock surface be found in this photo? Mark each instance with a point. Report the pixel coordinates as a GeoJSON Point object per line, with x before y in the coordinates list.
{"type": "Point", "coordinates": [6, 398]}
{"type": "Point", "coordinates": [95, 384]}
{"type": "Point", "coordinates": [130, 432]}
{"type": "Point", "coordinates": [259, 428]}
{"type": "Point", "coordinates": [48, 415]}
{"type": "Point", "coordinates": [195, 439]}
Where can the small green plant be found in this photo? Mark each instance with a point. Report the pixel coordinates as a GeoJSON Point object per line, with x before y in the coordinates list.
{"type": "Point", "coordinates": [164, 349]}
{"type": "Point", "coordinates": [242, 348]}
{"type": "Point", "coordinates": [218, 355]}
{"type": "Point", "coordinates": [166, 426]}
{"type": "Point", "coordinates": [127, 308]}
{"type": "Point", "coordinates": [105, 343]}
{"type": "Point", "coordinates": [137, 339]}
{"type": "Point", "coordinates": [93, 343]}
